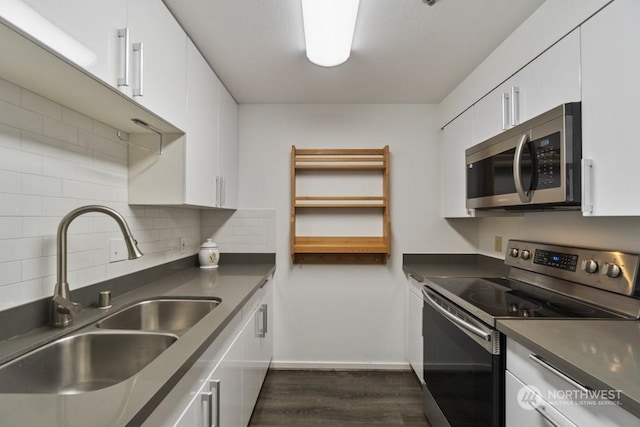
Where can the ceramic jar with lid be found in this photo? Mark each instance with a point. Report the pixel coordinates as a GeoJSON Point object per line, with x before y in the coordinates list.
{"type": "Point", "coordinates": [209, 255]}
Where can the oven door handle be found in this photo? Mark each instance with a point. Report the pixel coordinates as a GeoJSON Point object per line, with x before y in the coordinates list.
{"type": "Point", "coordinates": [525, 196]}
{"type": "Point", "coordinates": [456, 320]}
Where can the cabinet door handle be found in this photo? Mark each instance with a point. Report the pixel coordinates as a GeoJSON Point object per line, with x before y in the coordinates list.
{"type": "Point", "coordinates": [535, 358]}
{"type": "Point", "coordinates": [265, 314]}
{"type": "Point", "coordinates": [587, 186]}
{"type": "Point", "coordinates": [215, 387]}
{"type": "Point", "coordinates": [515, 106]}
{"type": "Point", "coordinates": [218, 201]}
{"type": "Point", "coordinates": [207, 400]}
{"type": "Point", "coordinates": [139, 48]}
{"type": "Point", "coordinates": [123, 79]}
{"type": "Point", "coordinates": [223, 191]}
{"type": "Point", "coordinates": [505, 111]}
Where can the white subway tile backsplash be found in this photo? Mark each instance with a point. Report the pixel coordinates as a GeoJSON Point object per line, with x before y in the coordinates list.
{"type": "Point", "coordinates": [10, 182]}
{"type": "Point", "coordinates": [19, 161]}
{"type": "Point", "coordinates": [76, 119]}
{"type": "Point", "coordinates": [19, 249]}
{"type": "Point", "coordinates": [10, 92]}
{"type": "Point", "coordinates": [10, 137]}
{"type": "Point", "coordinates": [10, 227]}
{"type": "Point", "coordinates": [10, 272]}
{"type": "Point", "coordinates": [41, 105]}
{"type": "Point", "coordinates": [20, 205]}
{"type": "Point", "coordinates": [60, 131]}
{"type": "Point", "coordinates": [52, 160]}
{"type": "Point", "coordinates": [77, 189]}
{"type": "Point", "coordinates": [41, 185]}
{"type": "Point", "coordinates": [38, 267]}
{"type": "Point", "coordinates": [41, 145]}
{"type": "Point", "coordinates": [18, 117]}
{"type": "Point", "coordinates": [58, 206]}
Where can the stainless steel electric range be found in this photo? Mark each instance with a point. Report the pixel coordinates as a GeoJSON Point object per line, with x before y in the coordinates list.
{"type": "Point", "coordinates": [464, 354]}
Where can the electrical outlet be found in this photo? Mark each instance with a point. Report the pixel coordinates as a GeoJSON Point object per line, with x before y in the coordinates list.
{"type": "Point", "coordinates": [183, 244]}
{"type": "Point", "coordinates": [497, 244]}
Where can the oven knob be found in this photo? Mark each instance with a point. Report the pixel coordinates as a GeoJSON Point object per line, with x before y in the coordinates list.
{"type": "Point", "coordinates": [590, 266]}
{"type": "Point", "coordinates": [514, 253]}
{"type": "Point", "coordinates": [611, 270]}
{"type": "Point", "coordinates": [525, 254]}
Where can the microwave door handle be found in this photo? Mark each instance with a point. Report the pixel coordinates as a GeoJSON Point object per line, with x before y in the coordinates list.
{"type": "Point", "coordinates": [525, 196]}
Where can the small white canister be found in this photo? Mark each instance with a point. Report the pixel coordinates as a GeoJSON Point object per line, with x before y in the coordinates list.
{"type": "Point", "coordinates": [209, 255]}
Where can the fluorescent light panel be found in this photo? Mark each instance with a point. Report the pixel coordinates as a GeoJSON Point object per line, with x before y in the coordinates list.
{"type": "Point", "coordinates": [328, 30]}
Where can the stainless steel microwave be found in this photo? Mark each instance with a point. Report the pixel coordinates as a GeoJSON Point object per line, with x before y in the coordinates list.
{"type": "Point", "coordinates": [534, 165]}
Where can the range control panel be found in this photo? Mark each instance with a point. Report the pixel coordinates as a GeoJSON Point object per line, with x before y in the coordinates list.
{"type": "Point", "coordinates": [613, 271]}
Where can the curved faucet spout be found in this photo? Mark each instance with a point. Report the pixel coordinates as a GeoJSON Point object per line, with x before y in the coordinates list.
{"type": "Point", "coordinates": [63, 308]}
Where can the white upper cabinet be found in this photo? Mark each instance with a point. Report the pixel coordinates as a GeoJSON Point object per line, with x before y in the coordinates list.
{"type": "Point", "coordinates": [200, 168]}
{"type": "Point", "coordinates": [201, 156]}
{"type": "Point", "coordinates": [83, 31]}
{"type": "Point", "coordinates": [457, 137]}
{"type": "Point", "coordinates": [551, 79]}
{"type": "Point", "coordinates": [133, 45]}
{"type": "Point", "coordinates": [228, 150]}
{"type": "Point", "coordinates": [158, 55]}
{"type": "Point", "coordinates": [610, 109]}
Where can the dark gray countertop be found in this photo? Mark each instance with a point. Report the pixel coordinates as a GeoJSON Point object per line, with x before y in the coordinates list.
{"type": "Point", "coordinates": [131, 401]}
{"type": "Point", "coordinates": [422, 266]}
{"type": "Point", "coordinates": [601, 354]}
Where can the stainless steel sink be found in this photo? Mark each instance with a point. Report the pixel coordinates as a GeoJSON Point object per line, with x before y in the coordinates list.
{"type": "Point", "coordinates": [83, 362]}
{"type": "Point", "coordinates": [164, 314]}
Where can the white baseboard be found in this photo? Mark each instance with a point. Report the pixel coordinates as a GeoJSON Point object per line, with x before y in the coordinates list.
{"type": "Point", "coordinates": [342, 366]}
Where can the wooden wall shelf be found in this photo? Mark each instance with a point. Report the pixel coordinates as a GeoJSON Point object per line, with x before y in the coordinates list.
{"type": "Point", "coordinates": [341, 249]}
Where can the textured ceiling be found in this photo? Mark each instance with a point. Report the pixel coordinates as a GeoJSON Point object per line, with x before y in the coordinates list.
{"type": "Point", "coordinates": [404, 51]}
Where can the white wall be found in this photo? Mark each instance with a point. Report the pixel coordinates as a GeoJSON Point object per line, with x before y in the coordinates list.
{"type": "Point", "coordinates": [351, 315]}
{"type": "Point", "coordinates": [53, 160]}
{"type": "Point", "coordinates": [565, 228]}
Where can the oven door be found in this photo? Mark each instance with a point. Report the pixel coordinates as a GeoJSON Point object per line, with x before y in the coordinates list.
{"type": "Point", "coordinates": [463, 367]}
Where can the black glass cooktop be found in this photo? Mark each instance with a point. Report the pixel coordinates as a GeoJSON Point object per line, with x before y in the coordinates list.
{"type": "Point", "coordinates": [500, 297]}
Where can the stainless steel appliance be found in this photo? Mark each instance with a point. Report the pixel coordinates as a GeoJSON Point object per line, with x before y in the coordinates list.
{"type": "Point", "coordinates": [464, 353]}
{"type": "Point", "coordinates": [533, 165]}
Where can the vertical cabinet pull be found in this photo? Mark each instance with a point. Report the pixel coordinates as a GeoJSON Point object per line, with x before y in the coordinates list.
{"type": "Point", "coordinates": [139, 49]}
{"type": "Point", "coordinates": [218, 198]}
{"type": "Point", "coordinates": [207, 408]}
{"type": "Point", "coordinates": [515, 106]}
{"type": "Point", "coordinates": [123, 34]}
{"type": "Point", "coordinates": [223, 191]}
{"type": "Point", "coordinates": [505, 111]}
{"type": "Point", "coordinates": [587, 186]}
{"type": "Point", "coordinates": [215, 388]}
{"type": "Point", "coordinates": [261, 321]}
{"type": "Point", "coordinates": [265, 313]}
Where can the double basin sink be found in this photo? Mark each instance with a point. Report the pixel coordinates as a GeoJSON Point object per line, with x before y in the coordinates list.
{"type": "Point", "coordinates": [94, 358]}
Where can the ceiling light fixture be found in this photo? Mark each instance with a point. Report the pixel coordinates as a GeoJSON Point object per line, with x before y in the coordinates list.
{"type": "Point", "coordinates": [328, 30]}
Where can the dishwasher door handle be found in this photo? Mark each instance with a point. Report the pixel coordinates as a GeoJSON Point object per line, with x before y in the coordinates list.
{"type": "Point", "coordinates": [455, 319]}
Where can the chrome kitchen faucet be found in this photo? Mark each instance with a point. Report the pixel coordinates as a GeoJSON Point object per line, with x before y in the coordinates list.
{"type": "Point", "coordinates": [63, 308]}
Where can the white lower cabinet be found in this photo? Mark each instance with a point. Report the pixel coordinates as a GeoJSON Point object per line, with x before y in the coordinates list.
{"type": "Point", "coordinates": [217, 402]}
{"type": "Point", "coordinates": [414, 328]}
{"type": "Point", "coordinates": [539, 394]}
{"type": "Point", "coordinates": [222, 386]}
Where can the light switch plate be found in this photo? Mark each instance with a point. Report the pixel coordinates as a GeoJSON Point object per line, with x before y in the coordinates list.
{"type": "Point", "coordinates": [117, 250]}
{"type": "Point", "coordinates": [497, 244]}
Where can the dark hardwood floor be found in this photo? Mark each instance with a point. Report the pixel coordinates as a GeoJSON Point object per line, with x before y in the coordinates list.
{"type": "Point", "coordinates": [339, 398]}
